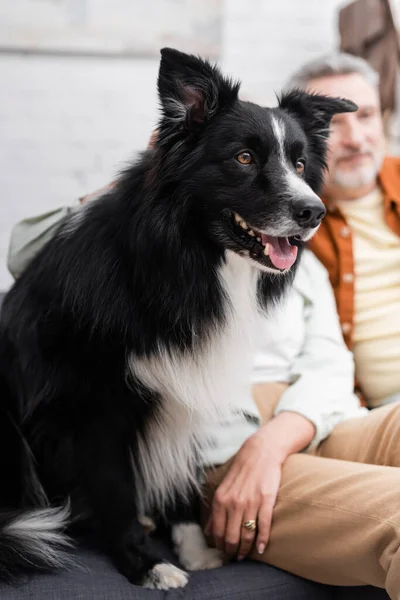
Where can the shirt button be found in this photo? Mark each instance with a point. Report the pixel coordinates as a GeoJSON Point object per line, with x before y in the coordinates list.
{"type": "Point", "coordinates": [345, 232]}
{"type": "Point", "coordinates": [348, 277]}
{"type": "Point", "coordinates": [346, 328]}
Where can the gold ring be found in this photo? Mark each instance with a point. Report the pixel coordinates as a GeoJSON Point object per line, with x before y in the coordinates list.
{"type": "Point", "coordinates": [250, 525]}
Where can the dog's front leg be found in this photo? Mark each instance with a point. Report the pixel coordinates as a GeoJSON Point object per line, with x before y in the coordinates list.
{"type": "Point", "coordinates": [109, 484]}
{"type": "Point", "coordinates": [188, 538]}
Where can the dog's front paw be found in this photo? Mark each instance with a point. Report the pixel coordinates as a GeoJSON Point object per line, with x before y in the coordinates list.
{"type": "Point", "coordinates": [192, 550]}
{"type": "Point", "coordinates": [207, 558]}
{"type": "Point", "coordinates": [164, 576]}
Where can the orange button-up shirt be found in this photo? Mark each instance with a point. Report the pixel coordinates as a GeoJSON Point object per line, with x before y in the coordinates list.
{"type": "Point", "coordinates": [333, 245]}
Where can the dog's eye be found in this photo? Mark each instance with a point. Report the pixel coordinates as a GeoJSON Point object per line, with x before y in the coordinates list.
{"type": "Point", "coordinates": [300, 166]}
{"type": "Point", "coordinates": [245, 158]}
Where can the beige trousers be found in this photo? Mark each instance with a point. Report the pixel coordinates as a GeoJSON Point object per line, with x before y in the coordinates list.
{"type": "Point", "coordinates": [337, 515]}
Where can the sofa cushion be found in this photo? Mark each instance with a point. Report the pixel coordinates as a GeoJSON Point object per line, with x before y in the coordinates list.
{"type": "Point", "coordinates": [95, 578]}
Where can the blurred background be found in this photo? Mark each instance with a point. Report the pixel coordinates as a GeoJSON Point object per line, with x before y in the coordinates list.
{"type": "Point", "coordinates": [78, 78]}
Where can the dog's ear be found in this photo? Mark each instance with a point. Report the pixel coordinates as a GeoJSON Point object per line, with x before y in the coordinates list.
{"type": "Point", "coordinates": [315, 111]}
{"type": "Point", "coordinates": [191, 90]}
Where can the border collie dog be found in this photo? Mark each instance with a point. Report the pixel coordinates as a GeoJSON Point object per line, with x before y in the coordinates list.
{"type": "Point", "coordinates": [133, 328]}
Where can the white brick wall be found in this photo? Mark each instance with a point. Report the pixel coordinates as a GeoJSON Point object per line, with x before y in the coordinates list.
{"type": "Point", "coordinates": [264, 41]}
{"type": "Point", "coordinates": [67, 124]}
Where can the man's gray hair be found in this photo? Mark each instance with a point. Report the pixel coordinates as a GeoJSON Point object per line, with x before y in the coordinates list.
{"type": "Point", "coordinates": [336, 63]}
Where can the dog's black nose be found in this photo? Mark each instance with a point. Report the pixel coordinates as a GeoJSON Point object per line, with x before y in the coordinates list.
{"type": "Point", "coordinates": [309, 213]}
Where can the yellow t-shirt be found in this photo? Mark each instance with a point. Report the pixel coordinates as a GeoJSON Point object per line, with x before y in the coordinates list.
{"type": "Point", "coordinates": [376, 251]}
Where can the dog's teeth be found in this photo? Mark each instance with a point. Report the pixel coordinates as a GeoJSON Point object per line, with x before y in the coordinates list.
{"type": "Point", "coordinates": [266, 250]}
{"type": "Point", "coordinates": [243, 224]}
{"type": "Point", "coordinates": [258, 239]}
{"type": "Point", "coordinates": [237, 218]}
{"type": "Point", "coordinates": [251, 232]}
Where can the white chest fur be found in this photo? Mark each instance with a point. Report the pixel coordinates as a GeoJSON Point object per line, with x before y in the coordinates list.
{"type": "Point", "coordinates": [195, 388]}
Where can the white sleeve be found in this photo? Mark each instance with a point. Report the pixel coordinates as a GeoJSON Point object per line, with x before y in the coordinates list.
{"type": "Point", "coordinates": [322, 373]}
{"type": "Point", "coordinates": [30, 235]}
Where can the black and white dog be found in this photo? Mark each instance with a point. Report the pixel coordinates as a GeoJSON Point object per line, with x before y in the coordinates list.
{"type": "Point", "coordinates": [134, 326]}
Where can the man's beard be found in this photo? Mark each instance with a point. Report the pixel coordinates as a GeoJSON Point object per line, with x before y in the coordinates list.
{"type": "Point", "coordinates": [359, 176]}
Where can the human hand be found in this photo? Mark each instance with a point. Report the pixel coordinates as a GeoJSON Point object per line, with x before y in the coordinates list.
{"type": "Point", "coordinates": [249, 490]}
{"type": "Point", "coordinates": [247, 493]}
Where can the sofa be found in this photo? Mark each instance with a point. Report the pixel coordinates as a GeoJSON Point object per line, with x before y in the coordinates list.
{"type": "Point", "coordinates": [93, 577]}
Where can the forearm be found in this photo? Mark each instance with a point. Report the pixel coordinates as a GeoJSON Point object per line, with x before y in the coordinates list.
{"type": "Point", "coordinates": [288, 432]}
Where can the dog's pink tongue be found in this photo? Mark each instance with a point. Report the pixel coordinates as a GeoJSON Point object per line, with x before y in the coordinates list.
{"type": "Point", "coordinates": [281, 253]}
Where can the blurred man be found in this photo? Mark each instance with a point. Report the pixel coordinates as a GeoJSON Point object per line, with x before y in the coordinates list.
{"type": "Point", "coordinates": [359, 240]}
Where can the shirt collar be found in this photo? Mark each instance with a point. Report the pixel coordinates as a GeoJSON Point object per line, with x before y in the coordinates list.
{"type": "Point", "coordinates": [389, 179]}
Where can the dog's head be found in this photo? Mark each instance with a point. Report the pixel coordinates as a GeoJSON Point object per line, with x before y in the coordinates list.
{"type": "Point", "coordinates": [250, 174]}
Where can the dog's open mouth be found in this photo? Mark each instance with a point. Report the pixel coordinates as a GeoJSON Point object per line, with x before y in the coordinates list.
{"type": "Point", "coordinates": [278, 253]}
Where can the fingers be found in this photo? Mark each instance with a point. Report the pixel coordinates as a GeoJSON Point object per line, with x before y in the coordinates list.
{"type": "Point", "coordinates": [264, 523]}
{"type": "Point", "coordinates": [263, 517]}
{"type": "Point", "coordinates": [234, 527]}
{"type": "Point", "coordinates": [247, 537]}
{"type": "Point", "coordinates": [239, 540]}
{"type": "Point", "coordinates": [223, 504]}
{"type": "Point", "coordinates": [219, 518]}
{"type": "Point", "coordinates": [230, 509]}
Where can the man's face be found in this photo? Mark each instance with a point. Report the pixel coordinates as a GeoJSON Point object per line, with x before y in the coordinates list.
{"type": "Point", "coordinates": [356, 143]}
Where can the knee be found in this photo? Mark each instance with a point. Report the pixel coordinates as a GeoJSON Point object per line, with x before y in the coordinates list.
{"type": "Point", "coordinates": [390, 434]}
